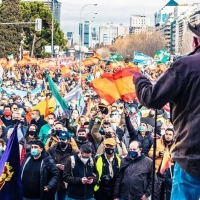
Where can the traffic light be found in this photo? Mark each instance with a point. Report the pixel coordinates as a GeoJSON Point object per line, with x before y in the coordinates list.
{"type": "Point", "coordinates": [38, 24]}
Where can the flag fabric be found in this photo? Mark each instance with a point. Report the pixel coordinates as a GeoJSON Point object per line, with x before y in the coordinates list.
{"type": "Point", "coordinates": [105, 87]}
{"type": "Point", "coordinates": [10, 172]}
{"type": "Point", "coordinates": [96, 55]}
{"type": "Point", "coordinates": [142, 59]}
{"type": "Point", "coordinates": [124, 82]}
{"type": "Point", "coordinates": [61, 105]}
{"type": "Point", "coordinates": [26, 57]}
{"type": "Point", "coordinates": [166, 162]}
{"type": "Point", "coordinates": [116, 57]}
{"type": "Point", "coordinates": [46, 106]}
{"type": "Point", "coordinates": [161, 56]}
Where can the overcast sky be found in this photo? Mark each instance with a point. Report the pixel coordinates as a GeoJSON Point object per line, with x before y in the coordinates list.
{"type": "Point", "coordinates": [116, 11]}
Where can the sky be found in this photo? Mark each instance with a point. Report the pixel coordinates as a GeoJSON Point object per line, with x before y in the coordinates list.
{"type": "Point", "coordinates": [116, 11]}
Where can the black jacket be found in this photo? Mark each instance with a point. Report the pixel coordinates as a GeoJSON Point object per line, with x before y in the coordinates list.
{"type": "Point", "coordinates": [74, 176]}
{"type": "Point", "coordinates": [39, 123]}
{"type": "Point", "coordinates": [60, 157]}
{"type": "Point", "coordinates": [134, 178]}
{"type": "Point", "coordinates": [179, 86]}
{"type": "Point", "coordinates": [49, 176]}
{"type": "Point", "coordinates": [146, 141]}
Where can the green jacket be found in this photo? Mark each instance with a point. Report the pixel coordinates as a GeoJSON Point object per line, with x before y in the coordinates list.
{"type": "Point", "coordinates": [44, 133]}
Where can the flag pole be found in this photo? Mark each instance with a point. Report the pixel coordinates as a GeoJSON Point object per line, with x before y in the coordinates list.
{"type": "Point", "coordinates": [154, 156]}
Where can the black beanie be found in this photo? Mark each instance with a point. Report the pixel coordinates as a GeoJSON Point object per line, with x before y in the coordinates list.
{"type": "Point", "coordinates": [39, 143]}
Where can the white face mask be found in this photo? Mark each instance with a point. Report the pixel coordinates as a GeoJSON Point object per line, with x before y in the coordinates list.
{"type": "Point", "coordinates": [50, 122]}
{"type": "Point", "coordinates": [75, 116]}
{"type": "Point", "coordinates": [84, 160]}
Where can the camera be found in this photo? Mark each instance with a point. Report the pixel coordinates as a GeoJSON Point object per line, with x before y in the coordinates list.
{"type": "Point", "coordinates": [106, 179]}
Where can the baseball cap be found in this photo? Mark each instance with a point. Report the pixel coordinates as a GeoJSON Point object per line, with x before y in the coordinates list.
{"type": "Point", "coordinates": [64, 135]}
{"type": "Point", "coordinates": [110, 141]}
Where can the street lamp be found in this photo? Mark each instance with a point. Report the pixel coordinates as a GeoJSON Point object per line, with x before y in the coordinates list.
{"type": "Point", "coordinates": [81, 33]}
{"type": "Point", "coordinates": [52, 30]}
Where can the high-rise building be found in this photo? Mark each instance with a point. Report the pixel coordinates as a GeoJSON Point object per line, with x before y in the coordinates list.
{"type": "Point", "coordinates": [109, 32]}
{"type": "Point", "coordinates": [138, 23]}
{"type": "Point", "coordinates": [94, 37]}
{"type": "Point", "coordinates": [69, 37]}
{"type": "Point", "coordinates": [49, 3]}
{"type": "Point", "coordinates": [87, 34]}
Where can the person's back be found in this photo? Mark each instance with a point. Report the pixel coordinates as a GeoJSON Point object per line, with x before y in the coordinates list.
{"type": "Point", "coordinates": [180, 86]}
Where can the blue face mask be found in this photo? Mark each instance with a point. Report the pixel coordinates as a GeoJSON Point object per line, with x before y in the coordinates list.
{"type": "Point", "coordinates": [141, 128]}
{"type": "Point", "coordinates": [34, 152]}
{"type": "Point", "coordinates": [133, 154]}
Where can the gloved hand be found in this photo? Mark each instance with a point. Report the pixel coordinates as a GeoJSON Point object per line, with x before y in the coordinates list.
{"type": "Point", "coordinates": [135, 75]}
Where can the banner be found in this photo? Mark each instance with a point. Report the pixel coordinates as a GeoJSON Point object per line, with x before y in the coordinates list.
{"type": "Point", "coordinates": [141, 58]}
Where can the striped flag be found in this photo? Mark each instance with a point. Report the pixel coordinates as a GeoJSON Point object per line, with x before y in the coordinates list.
{"type": "Point", "coordinates": [166, 162]}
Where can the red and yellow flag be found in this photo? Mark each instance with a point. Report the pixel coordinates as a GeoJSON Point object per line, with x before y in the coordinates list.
{"type": "Point", "coordinates": [124, 82]}
{"type": "Point", "coordinates": [105, 87]}
{"type": "Point", "coordinates": [166, 162]}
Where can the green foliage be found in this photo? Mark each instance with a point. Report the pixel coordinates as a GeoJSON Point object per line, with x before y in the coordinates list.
{"type": "Point", "coordinates": [10, 35]}
{"type": "Point", "coordinates": [31, 11]}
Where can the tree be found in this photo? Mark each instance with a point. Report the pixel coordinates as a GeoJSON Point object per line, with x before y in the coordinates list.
{"type": "Point", "coordinates": [146, 43]}
{"type": "Point", "coordinates": [10, 35]}
{"type": "Point", "coordinates": [36, 41]}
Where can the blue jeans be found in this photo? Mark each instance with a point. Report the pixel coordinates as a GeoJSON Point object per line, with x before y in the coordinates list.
{"type": "Point", "coordinates": [80, 199]}
{"type": "Point", "coordinates": [184, 186]}
{"type": "Point", "coordinates": [61, 195]}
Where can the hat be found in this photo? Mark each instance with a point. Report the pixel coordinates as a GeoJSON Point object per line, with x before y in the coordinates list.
{"type": "Point", "coordinates": [39, 143]}
{"type": "Point", "coordinates": [110, 141]}
{"type": "Point", "coordinates": [64, 135]}
{"type": "Point", "coordinates": [103, 108]}
{"type": "Point", "coordinates": [195, 29]}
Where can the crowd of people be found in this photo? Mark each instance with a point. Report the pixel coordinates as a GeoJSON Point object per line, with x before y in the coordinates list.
{"type": "Point", "coordinates": [106, 153]}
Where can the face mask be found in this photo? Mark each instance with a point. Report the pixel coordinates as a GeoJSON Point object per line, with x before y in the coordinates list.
{"type": "Point", "coordinates": [32, 133]}
{"type": "Point", "coordinates": [82, 138]}
{"type": "Point", "coordinates": [15, 121]}
{"type": "Point", "coordinates": [141, 128]}
{"type": "Point", "coordinates": [109, 151]}
{"type": "Point", "coordinates": [7, 113]}
{"type": "Point", "coordinates": [1, 149]}
{"type": "Point", "coordinates": [87, 130]}
{"type": "Point", "coordinates": [133, 154]}
{"type": "Point", "coordinates": [50, 122]}
{"type": "Point", "coordinates": [106, 129]}
{"type": "Point", "coordinates": [33, 116]}
{"type": "Point", "coordinates": [84, 160]}
{"type": "Point", "coordinates": [58, 132]}
{"type": "Point", "coordinates": [108, 135]}
{"type": "Point", "coordinates": [62, 145]}
{"type": "Point", "coordinates": [34, 152]}
{"type": "Point", "coordinates": [114, 126]}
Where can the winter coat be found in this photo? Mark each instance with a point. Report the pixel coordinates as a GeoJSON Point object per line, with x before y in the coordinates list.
{"type": "Point", "coordinates": [146, 141]}
{"type": "Point", "coordinates": [160, 146]}
{"type": "Point", "coordinates": [134, 178]}
{"type": "Point", "coordinates": [179, 85]}
{"type": "Point", "coordinates": [49, 176]}
{"type": "Point", "coordinates": [73, 176]}
{"type": "Point", "coordinates": [60, 157]}
{"type": "Point", "coordinates": [39, 123]}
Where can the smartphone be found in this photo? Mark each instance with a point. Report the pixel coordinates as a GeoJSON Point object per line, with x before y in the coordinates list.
{"type": "Point", "coordinates": [90, 177]}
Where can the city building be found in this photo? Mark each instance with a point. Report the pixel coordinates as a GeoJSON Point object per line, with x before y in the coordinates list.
{"type": "Point", "coordinates": [138, 23]}
{"type": "Point", "coordinates": [109, 32]}
{"type": "Point", "coordinates": [69, 37]}
{"type": "Point", "coordinates": [49, 3]}
{"type": "Point", "coordinates": [87, 34]}
{"type": "Point", "coordinates": [94, 37]}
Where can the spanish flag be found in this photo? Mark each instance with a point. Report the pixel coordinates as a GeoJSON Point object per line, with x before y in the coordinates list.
{"type": "Point", "coordinates": [96, 55]}
{"type": "Point", "coordinates": [105, 87]}
{"type": "Point", "coordinates": [166, 162]}
{"type": "Point", "coordinates": [124, 82]}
